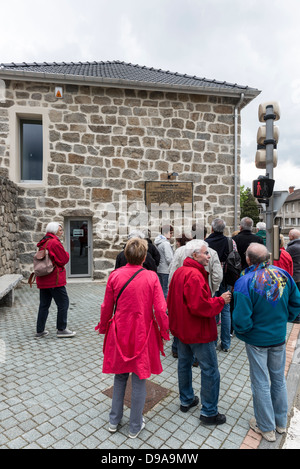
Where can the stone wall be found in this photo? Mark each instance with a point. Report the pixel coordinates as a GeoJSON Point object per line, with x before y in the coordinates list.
{"type": "Point", "coordinates": [9, 231]}
{"type": "Point", "coordinates": [106, 142]}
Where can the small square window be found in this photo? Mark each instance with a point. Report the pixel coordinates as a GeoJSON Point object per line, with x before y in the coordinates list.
{"type": "Point", "coordinates": [31, 150]}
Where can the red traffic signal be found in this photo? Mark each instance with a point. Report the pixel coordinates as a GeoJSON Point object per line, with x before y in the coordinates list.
{"type": "Point", "coordinates": [263, 188]}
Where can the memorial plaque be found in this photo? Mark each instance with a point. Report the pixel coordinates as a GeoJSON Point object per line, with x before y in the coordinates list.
{"type": "Point", "coordinates": [168, 192]}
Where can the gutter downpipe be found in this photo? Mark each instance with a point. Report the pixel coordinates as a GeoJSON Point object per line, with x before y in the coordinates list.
{"type": "Point", "coordinates": [236, 108]}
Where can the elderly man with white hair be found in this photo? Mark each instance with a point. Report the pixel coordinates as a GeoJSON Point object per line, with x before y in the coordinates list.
{"type": "Point", "coordinates": [192, 312]}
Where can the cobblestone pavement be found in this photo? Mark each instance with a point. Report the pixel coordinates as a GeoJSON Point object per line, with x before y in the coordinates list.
{"type": "Point", "coordinates": [51, 390]}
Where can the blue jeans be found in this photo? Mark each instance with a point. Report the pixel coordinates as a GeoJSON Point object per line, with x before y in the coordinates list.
{"type": "Point", "coordinates": [210, 376]}
{"type": "Point", "coordinates": [225, 318]}
{"type": "Point", "coordinates": [164, 280]}
{"type": "Point", "coordinates": [60, 296]}
{"type": "Point", "coordinates": [174, 344]}
{"type": "Point", "coordinates": [269, 400]}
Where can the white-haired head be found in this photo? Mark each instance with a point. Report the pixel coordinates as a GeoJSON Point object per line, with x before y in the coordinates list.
{"type": "Point", "coordinates": [194, 245]}
{"type": "Point", "coordinates": [261, 225]}
{"type": "Point", "coordinates": [53, 227]}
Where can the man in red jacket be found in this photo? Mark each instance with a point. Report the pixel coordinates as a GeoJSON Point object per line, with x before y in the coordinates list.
{"type": "Point", "coordinates": [192, 312]}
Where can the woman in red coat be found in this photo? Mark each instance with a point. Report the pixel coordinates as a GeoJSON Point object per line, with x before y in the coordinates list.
{"type": "Point", "coordinates": [134, 333]}
{"type": "Point", "coordinates": [53, 284]}
{"type": "Point", "coordinates": [285, 261]}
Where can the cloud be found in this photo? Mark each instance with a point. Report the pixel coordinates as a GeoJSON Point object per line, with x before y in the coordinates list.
{"type": "Point", "coordinates": [289, 175]}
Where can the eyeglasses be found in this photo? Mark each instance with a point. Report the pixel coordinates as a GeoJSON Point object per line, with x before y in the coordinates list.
{"type": "Point", "coordinates": [199, 252]}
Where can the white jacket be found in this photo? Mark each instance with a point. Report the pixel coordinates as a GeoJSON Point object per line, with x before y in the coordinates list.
{"type": "Point", "coordinates": [166, 254]}
{"type": "Point", "coordinates": [214, 267]}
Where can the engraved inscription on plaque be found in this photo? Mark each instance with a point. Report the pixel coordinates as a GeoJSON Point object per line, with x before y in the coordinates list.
{"type": "Point", "coordinates": [168, 192]}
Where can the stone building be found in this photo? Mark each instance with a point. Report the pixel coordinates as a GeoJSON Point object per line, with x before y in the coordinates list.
{"type": "Point", "coordinates": [78, 136]}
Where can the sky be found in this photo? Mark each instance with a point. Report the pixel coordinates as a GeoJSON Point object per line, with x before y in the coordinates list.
{"type": "Point", "coordinates": [254, 43]}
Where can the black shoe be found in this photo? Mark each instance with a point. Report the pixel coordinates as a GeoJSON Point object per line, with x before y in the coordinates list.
{"type": "Point", "coordinates": [215, 420]}
{"type": "Point", "coordinates": [185, 408]}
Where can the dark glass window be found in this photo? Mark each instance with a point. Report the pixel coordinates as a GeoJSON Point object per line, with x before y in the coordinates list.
{"type": "Point", "coordinates": [31, 132]}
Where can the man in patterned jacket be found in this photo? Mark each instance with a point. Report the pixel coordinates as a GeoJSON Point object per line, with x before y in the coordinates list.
{"type": "Point", "coordinates": [265, 299]}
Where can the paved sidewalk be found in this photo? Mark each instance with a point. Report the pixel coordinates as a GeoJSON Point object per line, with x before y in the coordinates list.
{"type": "Point", "coordinates": [51, 390]}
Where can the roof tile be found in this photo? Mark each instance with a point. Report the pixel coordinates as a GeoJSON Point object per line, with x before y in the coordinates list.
{"type": "Point", "coordinates": [121, 71]}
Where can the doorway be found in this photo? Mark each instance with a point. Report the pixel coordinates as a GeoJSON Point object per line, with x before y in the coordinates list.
{"type": "Point", "coordinates": [79, 246]}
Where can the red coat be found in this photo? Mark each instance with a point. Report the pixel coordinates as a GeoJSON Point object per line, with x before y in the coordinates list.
{"type": "Point", "coordinates": [285, 261]}
{"type": "Point", "coordinates": [60, 257]}
{"type": "Point", "coordinates": [191, 308]}
{"type": "Point", "coordinates": [132, 340]}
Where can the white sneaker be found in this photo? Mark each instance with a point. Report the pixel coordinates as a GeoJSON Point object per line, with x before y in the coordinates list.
{"type": "Point", "coordinates": [134, 435]}
{"type": "Point", "coordinates": [65, 333]}
{"type": "Point", "coordinates": [280, 430]}
{"type": "Point", "coordinates": [112, 428]}
{"type": "Point", "coordinates": [269, 436]}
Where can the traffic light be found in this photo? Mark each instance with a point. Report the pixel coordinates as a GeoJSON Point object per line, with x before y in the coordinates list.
{"type": "Point", "coordinates": [263, 139]}
{"type": "Point", "coordinates": [263, 188]}
{"type": "Point", "coordinates": [266, 158]}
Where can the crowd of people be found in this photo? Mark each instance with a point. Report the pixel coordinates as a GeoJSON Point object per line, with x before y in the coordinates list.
{"type": "Point", "coordinates": [155, 291]}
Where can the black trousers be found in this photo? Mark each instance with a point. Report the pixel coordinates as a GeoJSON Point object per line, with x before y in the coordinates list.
{"type": "Point", "coordinates": [60, 296]}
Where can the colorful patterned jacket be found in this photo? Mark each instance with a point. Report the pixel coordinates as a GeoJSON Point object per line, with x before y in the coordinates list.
{"type": "Point", "coordinates": [265, 299]}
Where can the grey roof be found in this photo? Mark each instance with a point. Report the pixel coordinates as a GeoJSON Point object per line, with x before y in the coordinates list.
{"type": "Point", "coordinates": [293, 196]}
{"type": "Point", "coordinates": [122, 73]}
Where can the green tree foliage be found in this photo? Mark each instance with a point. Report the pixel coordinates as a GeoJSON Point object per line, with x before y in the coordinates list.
{"type": "Point", "coordinates": [248, 204]}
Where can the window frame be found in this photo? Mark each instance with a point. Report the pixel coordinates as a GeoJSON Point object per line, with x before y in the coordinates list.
{"type": "Point", "coordinates": [23, 120]}
{"type": "Point", "coordinates": [16, 115]}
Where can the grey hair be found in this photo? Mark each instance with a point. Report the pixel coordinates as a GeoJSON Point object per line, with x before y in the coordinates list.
{"type": "Point", "coordinates": [261, 225]}
{"type": "Point", "coordinates": [218, 225]}
{"type": "Point", "coordinates": [257, 253]}
{"type": "Point", "coordinates": [193, 246]}
{"type": "Point", "coordinates": [294, 233]}
{"type": "Point", "coordinates": [246, 223]}
{"type": "Point", "coordinates": [53, 227]}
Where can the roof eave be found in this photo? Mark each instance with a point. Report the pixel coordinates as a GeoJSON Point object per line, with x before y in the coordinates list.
{"type": "Point", "coordinates": [249, 93]}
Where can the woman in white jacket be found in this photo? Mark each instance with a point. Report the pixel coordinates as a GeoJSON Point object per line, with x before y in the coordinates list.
{"type": "Point", "coordinates": [162, 242]}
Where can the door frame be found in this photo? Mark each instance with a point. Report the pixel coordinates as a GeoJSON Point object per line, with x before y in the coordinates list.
{"type": "Point", "coordinates": [89, 246]}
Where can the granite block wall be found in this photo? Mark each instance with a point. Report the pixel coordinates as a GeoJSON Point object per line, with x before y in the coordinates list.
{"type": "Point", "coordinates": [104, 143]}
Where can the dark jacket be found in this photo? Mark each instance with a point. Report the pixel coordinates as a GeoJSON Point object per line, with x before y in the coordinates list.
{"type": "Point", "coordinates": [219, 243]}
{"type": "Point", "coordinates": [149, 263]}
{"type": "Point", "coordinates": [293, 248]}
{"type": "Point", "coordinates": [243, 239]}
{"type": "Point", "coordinates": [153, 251]}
